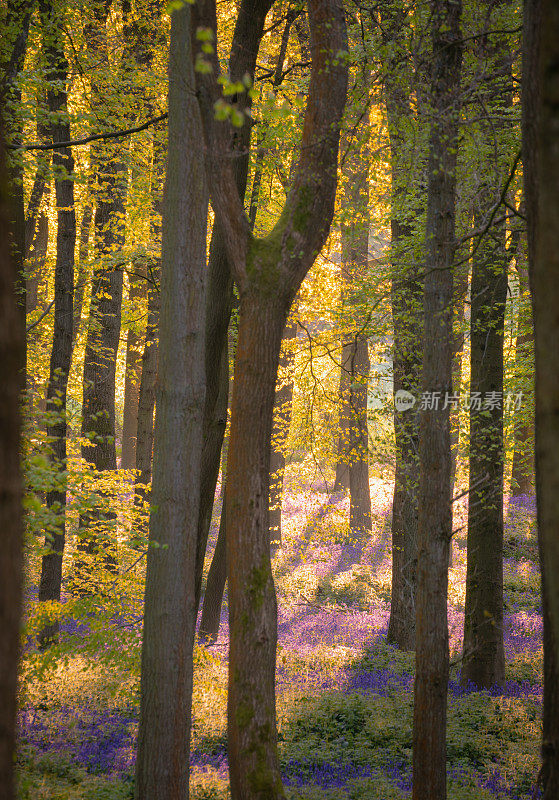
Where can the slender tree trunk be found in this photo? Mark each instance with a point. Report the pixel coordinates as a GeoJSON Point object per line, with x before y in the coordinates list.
{"type": "Point", "coordinates": [61, 354]}
{"type": "Point", "coordinates": [541, 179]}
{"type": "Point", "coordinates": [132, 380]}
{"type": "Point", "coordinates": [341, 481]}
{"type": "Point", "coordinates": [146, 398]}
{"type": "Point", "coordinates": [83, 257]}
{"type": "Point", "coordinates": [12, 366]}
{"type": "Point", "coordinates": [359, 492]}
{"type": "Point", "coordinates": [170, 609]}
{"type": "Point", "coordinates": [484, 655]}
{"type": "Point", "coordinates": [522, 478]}
{"type": "Point", "coordinates": [435, 506]}
{"type": "Point", "coordinates": [407, 321]}
{"type": "Point", "coordinates": [108, 160]}
{"type": "Point", "coordinates": [215, 586]}
{"type": "Point", "coordinates": [36, 259]}
{"type": "Point", "coordinates": [283, 406]}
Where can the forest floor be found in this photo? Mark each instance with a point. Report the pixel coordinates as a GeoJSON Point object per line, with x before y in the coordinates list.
{"type": "Point", "coordinates": [344, 695]}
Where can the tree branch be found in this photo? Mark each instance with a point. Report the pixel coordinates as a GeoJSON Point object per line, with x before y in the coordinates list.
{"type": "Point", "coordinates": [94, 137]}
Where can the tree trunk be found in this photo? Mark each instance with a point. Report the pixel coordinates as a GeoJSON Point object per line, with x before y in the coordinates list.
{"type": "Point", "coordinates": [541, 180]}
{"type": "Point", "coordinates": [132, 384]}
{"type": "Point", "coordinates": [283, 405]}
{"type": "Point", "coordinates": [215, 586]}
{"type": "Point", "coordinates": [435, 502]}
{"type": "Point", "coordinates": [407, 320]}
{"type": "Point", "coordinates": [341, 481]}
{"type": "Point", "coordinates": [108, 160]}
{"type": "Point", "coordinates": [359, 491]}
{"type": "Point", "coordinates": [61, 354]}
{"type": "Point", "coordinates": [522, 478]}
{"type": "Point", "coordinates": [146, 398]}
{"type": "Point", "coordinates": [13, 47]}
{"type": "Point", "coordinates": [248, 33]}
{"type": "Point", "coordinates": [484, 655]}
{"type": "Point", "coordinates": [269, 273]}
{"type": "Point", "coordinates": [12, 366]}
{"type": "Point", "coordinates": [83, 257]}
{"type": "Point", "coordinates": [162, 769]}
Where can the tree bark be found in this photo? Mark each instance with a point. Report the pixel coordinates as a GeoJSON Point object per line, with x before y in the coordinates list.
{"type": "Point", "coordinates": [484, 655]}
{"type": "Point", "coordinates": [162, 769]}
{"type": "Point", "coordinates": [407, 320]}
{"type": "Point", "coordinates": [268, 274]}
{"type": "Point", "coordinates": [61, 353]}
{"type": "Point", "coordinates": [215, 586]}
{"type": "Point", "coordinates": [12, 366]}
{"type": "Point", "coordinates": [435, 506]}
{"type": "Point", "coordinates": [540, 156]}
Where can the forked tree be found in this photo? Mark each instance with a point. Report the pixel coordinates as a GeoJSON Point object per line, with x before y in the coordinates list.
{"type": "Point", "coordinates": [268, 273]}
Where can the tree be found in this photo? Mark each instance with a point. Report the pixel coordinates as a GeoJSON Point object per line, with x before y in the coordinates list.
{"type": "Point", "coordinates": [170, 605]}
{"type": "Point", "coordinates": [268, 273]}
{"type": "Point", "coordinates": [61, 352]}
{"type": "Point", "coordinates": [540, 123]}
{"type": "Point", "coordinates": [407, 308]}
{"type": "Point", "coordinates": [435, 507]}
{"type": "Point", "coordinates": [12, 367]}
{"type": "Point", "coordinates": [484, 655]}
{"type": "Point", "coordinates": [249, 29]}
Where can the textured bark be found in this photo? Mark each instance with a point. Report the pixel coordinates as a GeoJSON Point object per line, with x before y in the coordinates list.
{"type": "Point", "coordinates": [12, 366]}
{"type": "Point", "coordinates": [268, 273]}
{"type": "Point", "coordinates": [484, 655]}
{"type": "Point", "coordinates": [13, 47]}
{"type": "Point", "coordinates": [435, 506]}
{"type": "Point", "coordinates": [61, 353]}
{"type": "Point", "coordinates": [407, 321]}
{"type": "Point", "coordinates": [132, 377]}
{"type": "Point", "coordinates": [540, 157]}
{"type": "Point", "coordinates": [283, 405]}
{"type": "Point", "coordinates": [170, 610]}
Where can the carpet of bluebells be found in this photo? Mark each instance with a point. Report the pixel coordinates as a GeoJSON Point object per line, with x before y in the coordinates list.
{"type": "Point", "coordinates": [344, 695]}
